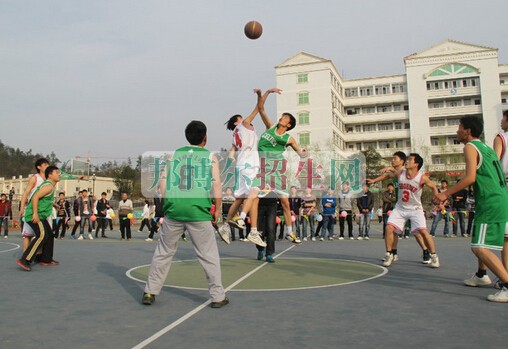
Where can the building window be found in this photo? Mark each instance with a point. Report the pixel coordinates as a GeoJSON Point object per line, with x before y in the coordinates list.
{"type": "Point", "coordinates": [385, 144]}
{"type": "Point", "coordinates": [453, 122]}
{"type": "Point", "coordinates": [352, 92]}
{"type": "Point", "coordinates": [398, 88]}
{"type": "Point", "coordinates": [503, 100]}
{"type": "Point", "coordinates": [349, 129]}
{"type": "Point", "coordinates": [367, 145]}
{"type": "Point", "coordinates": [398, 125]}
{"type": "Point", "coordinates": [368, 110]}
{"type": "Point", "coordinates": [384, 108]}
{"type": "Point", "coordinates": [302, 78]}
{"type": "Point", "coordinates": [304, 138]}
{"type": "Point", "coordinates": [398, 143]}
{"type": "Point", "coordinates": [303, 98]}
{"type": "Point", "coordinates": [382, 90]}
{"type": "Point", "coordinates": [303, 118]}
{"type": "Point", "coordinates": [385, 127]}
{"type": "Point", "coordinates": [358, 128]}
{"type": "Point", "coordinates": [369, 128]}
{"type": "Point", "coordinates": [436, 141]}
{"type": "Point", "coordinates": [366, 91]}
{"type": "Point", "coordinates": [406, 107]}
{"type": "Point", "coordinates": [467, 102]}
{"type": "Point", "coordinates": [437, 123]}
{"type": "Point", "coordinates": [438, 160]}
{"type": "Point", "coordinates": [477, 102]}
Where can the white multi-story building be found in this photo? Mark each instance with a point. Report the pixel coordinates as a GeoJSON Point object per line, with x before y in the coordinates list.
{"type": "Point", "coordinates": [416, 111]}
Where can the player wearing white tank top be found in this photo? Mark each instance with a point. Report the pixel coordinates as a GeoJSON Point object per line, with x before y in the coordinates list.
{"type": "Point", "coordinates": [409, 207]}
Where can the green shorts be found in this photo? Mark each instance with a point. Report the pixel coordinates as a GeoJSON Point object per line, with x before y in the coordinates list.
{"type": "Point", "coordinates": [489, 235]}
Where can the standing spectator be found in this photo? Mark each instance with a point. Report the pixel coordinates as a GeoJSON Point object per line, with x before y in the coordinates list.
{"type": "Point", "coordinates": [63, 213]}
{"type": "Point", "coordinates": [459, 211]}
{"type": "Point", "coordinates": [145, 217]}
{"type": "Point", "coordinates": [85, 210]}
{"type": "Point", "coordinates": [11, 194]}
{"type": "Point", "coordinates": [102, 211]}
{"type": "Point", "coordinates": [158, 207]}
{"type": "Point", "coordinates": [365, 205]}
{"type": "Point", "coordinates": [470, 204]}
{"type": "Point", "coordinates": [329, 203]}
{"type": "Point", "coordinates": [295, 203]}
{"type": "Point", "coordinates": [308, 212]}
{"type": "Point", "coordinates": [75, 209]}
{"type": "Point", "coordinates": [267, 213]}
{"type": "Point", "coordinates": [5, 214]}
{"type": "Point", "coordinates": [124, 208]}
{"type": "Point", "coordinates": [109, 218]}
{"type": "Point", "coordinates": [389, 200]}
{"type": "Point", "coordinates": [346, 204]}
{"type": "Point", "coordinates": [442, 211]}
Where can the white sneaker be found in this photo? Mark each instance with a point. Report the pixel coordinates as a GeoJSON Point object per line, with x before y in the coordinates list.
{"type": "Point", "coordinates": [434, 260]}
{"type": "Point", "coordinates": [388, 259]}
{"type": "Point", "coordinates": [224, 233]}
{"type": "Point", "coordinates": [395, 257]}
{"type": "Point", "coordinates": [238, 221]}
{"type": "Point", "coordinates": [351, 238]}
{"type": "Point", "coordinates": [80, 237]}
{"type": "Point", "coordinates": [475, 281]}
{"type": "Point", "coordinates": [255, 237]}
{"type": "Point", "coordinates": [292, 237]}
{"type": "Point", "coordinates": [313, 238]}
{"type": "Point", "coordinates": [148, 239]}
{"type": "Point", "coordinates": [367, 238]}
{"type": "Point", "coordinates": [304, 239]}
{"type": "Point", "coordinates": [6, 237]}
{"type": "Point", "coordinates": [500, 296]}
{"type": "Point", "coordinates": [341, 238]}
{"type": "Point", "coordinates": [321, 239]}
{"type": "Point", "coordinates": [359, 238]}
{"type": "Point", "coordinates": [330, 238]}
{"type": "Point", "coordinates": [90, 236]}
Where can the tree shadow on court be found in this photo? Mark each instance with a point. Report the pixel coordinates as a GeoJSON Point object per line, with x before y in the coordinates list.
{"type": "Point", "coordinates": [135, 288]}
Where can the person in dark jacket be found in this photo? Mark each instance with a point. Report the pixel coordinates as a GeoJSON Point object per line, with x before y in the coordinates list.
{"type": "Point", "coordinates": [102, 210]}
{"type": "Point", "coordinates": [365, 203]}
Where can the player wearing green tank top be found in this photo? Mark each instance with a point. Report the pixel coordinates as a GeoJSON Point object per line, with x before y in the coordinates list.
{"type": "Point", "coordinates": [193, 179]}
{"type": "Point", "coordinates": [484, 172]}
{"type": "Point", "coordinates": [36, 213]}
{"type": "Point", "coordinates": [272, 144]}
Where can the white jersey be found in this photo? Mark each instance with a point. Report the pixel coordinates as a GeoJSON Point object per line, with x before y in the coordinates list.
{"type": "Point", "coordinates": [246, 142]}
{"type": "Point", "coordinates": [410, 191]}
{"type": "Point", "coordinates": [27, 230]}
{"type": "Point", "coordinates": [504, 156]}
{"type": "Point", "coordinates": [38, 182]}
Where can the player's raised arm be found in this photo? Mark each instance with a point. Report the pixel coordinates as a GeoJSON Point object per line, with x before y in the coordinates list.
{"type": "Point", "coordinates": [248, 120]}
{"type": "Point", "coordinates": [24, 199]}
{"type": "Point", "coordinates": [293, 144]}
{"type": "Point", "coordinates": [261, 106]}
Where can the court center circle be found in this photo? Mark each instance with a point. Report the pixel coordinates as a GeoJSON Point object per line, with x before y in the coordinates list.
{"type": "Point", "coordinates": [285, 274]}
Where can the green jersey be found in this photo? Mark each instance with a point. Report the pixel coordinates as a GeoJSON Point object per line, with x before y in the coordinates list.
{"type": "Point", "coordinates": [490, 193]}
{"type": "Point", "coordinates": [188, 184]}
{"type": "Point", "coordinates": [44, 207]}
{"type": "Point", "coordinates": [272, 145]}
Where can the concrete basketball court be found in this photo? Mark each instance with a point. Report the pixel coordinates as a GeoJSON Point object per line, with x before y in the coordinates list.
{"type": "Point", "coordinates": [88, 301]}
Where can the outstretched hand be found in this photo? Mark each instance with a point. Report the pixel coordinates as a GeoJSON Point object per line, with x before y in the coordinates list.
{"type": "Point", "coordinates": [274, 90]}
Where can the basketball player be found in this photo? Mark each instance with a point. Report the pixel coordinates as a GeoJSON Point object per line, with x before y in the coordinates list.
{"type": "Point", "coordinates": [484, 172]}
{"type": "Point", "coordinates": [409, 207]}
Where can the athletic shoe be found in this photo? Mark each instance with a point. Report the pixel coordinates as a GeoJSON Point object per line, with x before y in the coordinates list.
{"type": "Point", "coordinates": [293, 238]}
{"type": "Point", "coordinates": [359, 238]}
{"type": "Point", "coordinates": [351, 238]}
{"type": "Point", "coordinates": [321, 239]}
{"type": "Point", "coordinates": [238, 222]}
{"type": "Point", "coordinates": [224, 233]}
{"type": "Point", "coordinates": [388, 259]}
{"type": "Point", "coordinates": [148, 299]}
{"type": "Point", "coordinates": [140, 231]}
{"type": "Point", "coordinates": [220, 304]}
{"type": "Point", "coordinates": [475, 281]}
{"type": "Point", "coordinates": [269, 259]}
{"type": "Point", "coordinates": [255, 237]}
{"type": "Point", "coordinates": [497, 284]}
{"type": "Point", "coordinates": [23, 264]}
{"type": "Point", "coordinates": [330, 238]}
{"type": "Point", "coordinates": [313, 238]}
{"type": "Point", "coordinates": [148, 239]}
{"type": "Point", "coordinates": [367, 238]}
{"type": "Point", "coordinates": [80, 237]}
{"type": "Point", "coordinates": [406, 237]}
{"type": "Point", "coordinates": [261, 254]}
{"type": "Point", "coordinates": [90, 236]}
{"type": "Point", "coordinates": [184, 238]}
{"type": "Point", "coordinates": [49, 264]}
{"type": "Point", "coordinates": [341, 237]}
{"type": "Point", "coordinates": [304, 239]}
{"type": "Point", "coordinates": [500, 296]}
{"type": "Point", "coordinates": [395, 257]}
{"type": "Point", "coordinates": [426, 257]}
{"type": "Point", "coordinates": [434, 260]}
{"type": "Point", "coordinates": [6, 237]}
{"type": "Point", "coordinates": [104, 237]}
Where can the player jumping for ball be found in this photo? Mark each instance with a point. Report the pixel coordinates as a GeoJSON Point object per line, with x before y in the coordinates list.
{"type": "Point", "coordinates": [409, 207]}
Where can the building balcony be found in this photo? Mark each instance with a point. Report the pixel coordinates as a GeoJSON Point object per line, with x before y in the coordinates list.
{"type": "Point", "coordinates": [446, 149]}
{"type": "Point", "coordinates": [376, 135]}
{"type": "Point", "coordinates": [447, 167]}
{"type": "Point", "coordinates": [453, 92]}
{"type": "Point", "coordinates": [376, 117]}
{"type": "Point", "coordinates": [452, 111]}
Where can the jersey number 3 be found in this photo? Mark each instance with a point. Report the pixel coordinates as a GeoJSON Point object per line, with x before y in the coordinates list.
{"type": "Point", "coordinates": [405, 196]}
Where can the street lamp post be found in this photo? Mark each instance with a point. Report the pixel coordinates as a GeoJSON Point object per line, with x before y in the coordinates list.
{"type": "Point", "coordinates": [93, 184]}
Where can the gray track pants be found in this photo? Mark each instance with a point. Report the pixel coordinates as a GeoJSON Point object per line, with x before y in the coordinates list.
{"type": "Point", "coordinates": [202, 236]}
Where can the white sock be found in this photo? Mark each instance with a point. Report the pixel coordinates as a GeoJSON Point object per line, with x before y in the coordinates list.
{"type": "Point", "coordinates": [289, 230]}
{"type": "Point", "coordinates": [254, 230]}
{"type": "Point", "coordinates": [243, 215]}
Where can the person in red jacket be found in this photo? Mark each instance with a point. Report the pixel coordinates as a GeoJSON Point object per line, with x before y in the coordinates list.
{"type": "Point", "coordinates": [5, 214]}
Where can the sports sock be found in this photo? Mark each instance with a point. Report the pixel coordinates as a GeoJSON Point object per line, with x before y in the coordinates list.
{"type": "Point", "coordinates": [394, 251]}
{"type": "Point", "coordinates": [481, 273]}
{"type": "Point", "coordinates": [243, 215]}
{"type": "Point", "coordinates": [254, 230]}
{"type": "Point", "coordinates": [289, 229]}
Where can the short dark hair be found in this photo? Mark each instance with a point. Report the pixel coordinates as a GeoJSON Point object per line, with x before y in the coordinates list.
{"type": "Point", "coordinates": [292, 120]}
{"type": "Point", "coordinates": [61, 193]}
{"type": "Point", "coordinates": [40, 162]}
{"type": "Point", "coordinates": [345, 182]}
{"type": "Point", "coordinates": [505, 113]}
{"type": "Point", "coordinates": [418, 159]}
{"type": "Point", "coordinates": [84, 190]}
{"type": "Point", "coordinates": [230, 124]}
{"type": "Point", "coordinates": [49, 170]}
{"type": "Point", "coordinates": [104, 193]}
{"type": "Point", "coordinates": [3, 195]}
{"type": "Point", "coordinates": [390, 185]}
{"type": "Point", "coordinates": [401, 155]}
{"type": "Point", "coordinates": [472, 123]}
{"type": "Point", "coordinates": [195, 132]}
{"type": "Point", "coordinates": [444, 181]}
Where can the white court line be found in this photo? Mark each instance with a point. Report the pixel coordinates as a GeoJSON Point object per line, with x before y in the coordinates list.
{"type": "Point", "coordinates": [12, 244]}
{"type": "Point", "coordinates": [200, 307]}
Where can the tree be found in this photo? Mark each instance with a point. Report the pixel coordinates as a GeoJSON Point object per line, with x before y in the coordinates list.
{"type": "Point", "coordinates": [125, 178]}
{"type": "Point", "coordinates": [373, 162]}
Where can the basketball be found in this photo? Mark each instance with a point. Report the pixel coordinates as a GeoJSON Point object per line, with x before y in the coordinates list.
{"type": "Point", "coordinates": [253, 30]}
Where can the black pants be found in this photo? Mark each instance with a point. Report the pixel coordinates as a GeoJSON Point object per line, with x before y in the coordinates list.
{"type": "Point", "coordinates": [144, 222]}
{"type": "Point", "coordinates": [43, 239]}
{"type": "Point", "coordinates": [75, 227]}
{"type": "Point", "coordinates": [153, 227]}
{"type": "Point", "coordinates": [470, 220]}
{"type": "Point", "coordinates": [101, 225]}
{"type": "Point", "coordinates": [349, 219]}
{"type": "Point", "coordinates": [125, 226]}
{"type": "Point", "coordinates": [266, 224]}
{"type": "Point", "coordinates": [61, 223]}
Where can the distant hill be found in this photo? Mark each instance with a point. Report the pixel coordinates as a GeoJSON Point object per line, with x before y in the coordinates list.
{"type": "Point", "coordinates": [14, 162]}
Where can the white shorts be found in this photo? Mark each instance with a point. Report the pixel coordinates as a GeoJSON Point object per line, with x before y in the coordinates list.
{"type": "Point", "coordinates": [398, 219]}
{"type": "Point", "coordinates": [246, 178]}
{"type": "Point", "coordinates": [28, 231]}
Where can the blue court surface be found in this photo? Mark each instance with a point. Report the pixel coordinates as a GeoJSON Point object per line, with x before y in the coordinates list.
{"type": "Point", "coordinates": [327, 294]}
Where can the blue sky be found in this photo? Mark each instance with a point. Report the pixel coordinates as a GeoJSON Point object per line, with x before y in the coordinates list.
{"type": "Point", "coordinates": [114, 79]}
